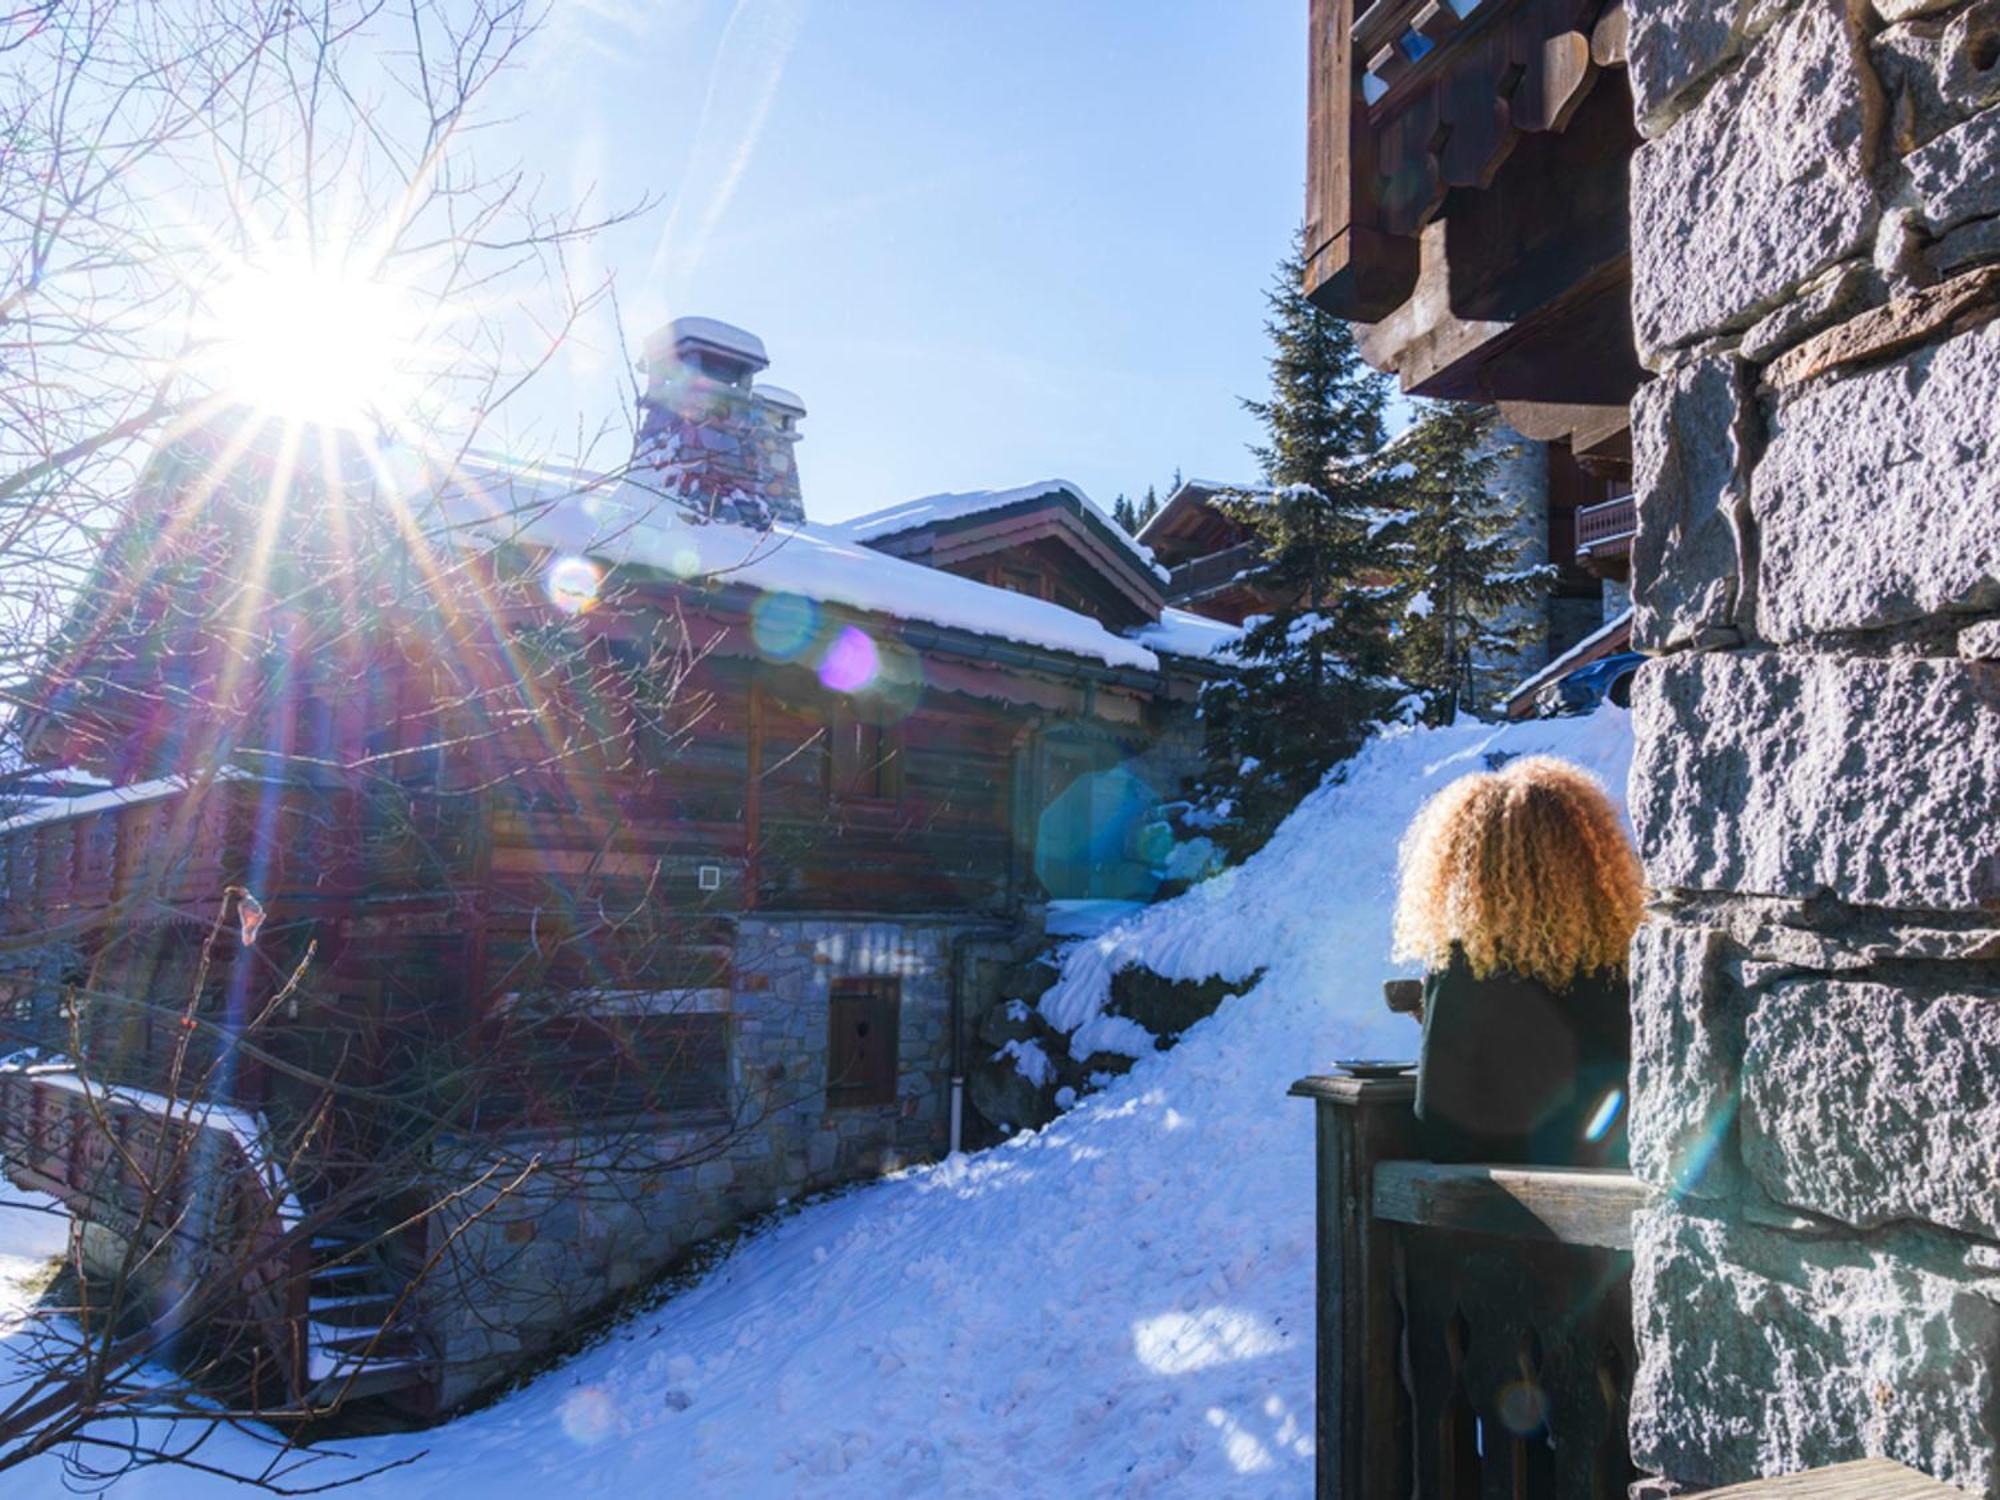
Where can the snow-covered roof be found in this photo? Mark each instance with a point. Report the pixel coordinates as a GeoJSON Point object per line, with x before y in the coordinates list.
{"type": "Point", "coordinates": [718, 335]}
{"type": "Point", "coordinates": [1182, 632]}
{"type": "Point", "coordinates": [623, 523]}
{"type": "Point", "coordinates": [1575, 653]}
{"type": "Point", "coordinates": [61, 809]}
{"type": "Point", "coordinates": [930, 510]}
{"type": "Point", "coordinates": [1182, 497]}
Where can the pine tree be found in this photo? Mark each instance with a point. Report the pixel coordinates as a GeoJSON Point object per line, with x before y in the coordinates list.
{"type": "Point", "coordinates": [1147, 508]}
{"type": "Point", "coordinates": [1461, 564]}
{"type": "Point", "coordinates": [1311, 678]}
{"type": "Point", "coordinates": [1125, 514]}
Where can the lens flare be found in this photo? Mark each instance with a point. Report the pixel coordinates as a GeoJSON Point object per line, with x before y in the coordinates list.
{"type": "Point", "coordinates": [1523, 1407]}
{"type": "Point", "coordinates": [589, 1416]}
{"type": "Point", "coordinates": [850, 662]}
{"type": "Point", "coordinates": [783, 625]}
{"type": "Point", "coordinates": [573, 583]}
{"type": "Point", "coordinates": [1608, 1110]}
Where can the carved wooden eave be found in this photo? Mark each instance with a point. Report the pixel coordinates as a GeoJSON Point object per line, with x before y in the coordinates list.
{"type": "Point", "coordinates": [1466, 196]}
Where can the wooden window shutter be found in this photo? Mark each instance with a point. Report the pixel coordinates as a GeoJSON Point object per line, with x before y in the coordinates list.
{"type": "Point", "coordinates": [863, 1017]}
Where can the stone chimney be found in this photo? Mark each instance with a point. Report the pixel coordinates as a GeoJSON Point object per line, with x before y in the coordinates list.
{"type": "Point", "coordinates": [708, 435]}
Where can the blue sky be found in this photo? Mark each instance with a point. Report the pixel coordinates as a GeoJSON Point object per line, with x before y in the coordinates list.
{"type": "Point", "coordinates": [985, 242]}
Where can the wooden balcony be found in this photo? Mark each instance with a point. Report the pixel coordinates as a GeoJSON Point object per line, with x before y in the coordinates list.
{"type": "Point", "coordinates": [1604, 537]}
{"type": "Point", "coordinates": [1467, 181]}
{"type": "Point", "coordinates": [1474, 1322]}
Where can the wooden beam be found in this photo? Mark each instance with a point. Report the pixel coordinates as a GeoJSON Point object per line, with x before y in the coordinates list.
{"type": "Point", "coordinates": [1867, 1479]}
{"type": "Point", "coordinates": [1568, 1205]}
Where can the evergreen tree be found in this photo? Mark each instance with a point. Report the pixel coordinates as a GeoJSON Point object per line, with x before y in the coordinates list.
{"type": "Point", "coordinates": [1125, 514]}
{"type": "Point", "coordinates": [1312, 677]}
{"type": "Point", "coordinates": [1147, 508]}
{"type": "Point", "coordinates": [1461, 565]}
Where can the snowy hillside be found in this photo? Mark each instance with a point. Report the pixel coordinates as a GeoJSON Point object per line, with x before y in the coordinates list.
{"type": "Point", "coordinates": [1119, 1305]}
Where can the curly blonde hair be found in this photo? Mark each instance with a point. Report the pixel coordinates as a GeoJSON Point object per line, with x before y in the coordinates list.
{"type": "Point", "coordinates": [1526, 868]}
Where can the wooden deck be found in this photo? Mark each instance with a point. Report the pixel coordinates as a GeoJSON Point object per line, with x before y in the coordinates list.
{"type": "Point", "coordinates": [1868, 1479]}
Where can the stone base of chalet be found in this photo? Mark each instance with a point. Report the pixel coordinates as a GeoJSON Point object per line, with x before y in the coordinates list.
{"type": "Point", "coordinates": [603, 1212]}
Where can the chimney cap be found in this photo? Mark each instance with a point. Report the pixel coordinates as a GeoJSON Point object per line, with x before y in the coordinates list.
{"type": "Point", "coordinates": [778, 396]}
{"type": "Point", "coordinates": [709, 344]}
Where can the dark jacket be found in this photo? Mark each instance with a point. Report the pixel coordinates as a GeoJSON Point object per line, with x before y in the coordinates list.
{"type": "Point", "coordinates": [1511, 1071]}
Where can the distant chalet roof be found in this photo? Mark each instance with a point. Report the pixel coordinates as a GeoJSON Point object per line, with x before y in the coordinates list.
{"type": "Point", "coordinates": [1193, 492]}
{"type": "Point", "coordinates": [621, 523]}
{"type": "Point", "coordinates": [935, 510]}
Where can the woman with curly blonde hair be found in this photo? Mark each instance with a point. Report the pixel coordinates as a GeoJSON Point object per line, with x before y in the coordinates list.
{"type": "Point", "coordinates": [1520, 893]}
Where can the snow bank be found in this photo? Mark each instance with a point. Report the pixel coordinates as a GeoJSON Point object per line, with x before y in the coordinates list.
{"type": "Point", "coordinates": [1118, 1305]}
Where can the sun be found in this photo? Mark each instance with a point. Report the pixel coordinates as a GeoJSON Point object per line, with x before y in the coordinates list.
{"type": "Point", "coordinates": [308, 342]}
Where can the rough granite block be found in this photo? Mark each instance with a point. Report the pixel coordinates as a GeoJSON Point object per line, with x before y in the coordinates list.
{"type": "Point", "coordinates": [1871, 779]}
{"type": "Point", "coordinates": [1877, 501]}
{"type": "Point", "coordinates": [1871, 1104]}
{"type": "Point", "coordinates": [1688, 447]}
{"type": "Point", "coordinates": [1763, 185]}
{"type": "Point", "coordinates": [1764, 1353]}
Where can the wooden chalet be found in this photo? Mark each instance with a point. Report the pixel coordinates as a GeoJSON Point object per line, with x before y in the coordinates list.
{"type": "Point", "coordinates": [608, 859]}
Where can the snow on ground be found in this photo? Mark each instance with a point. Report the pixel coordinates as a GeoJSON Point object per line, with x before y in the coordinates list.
{"type": "Point", "coordinates": [1118, 1305]}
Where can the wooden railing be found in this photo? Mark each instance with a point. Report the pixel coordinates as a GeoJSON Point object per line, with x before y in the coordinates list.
{"type": "Point", "coordinates": [192, 1179]}
{"type": "Point", "coordinates": [1607, 527]}
{"type": "Point", "coordinates": [1475, 1327]}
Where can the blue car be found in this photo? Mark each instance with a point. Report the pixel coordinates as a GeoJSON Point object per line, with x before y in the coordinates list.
{"type": "Point", "coordinates": [1583, 690]}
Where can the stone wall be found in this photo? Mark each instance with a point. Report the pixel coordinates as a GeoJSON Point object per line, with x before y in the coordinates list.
{"type": "Point", "coordinates": [1816, 250]}
{"type": "Point", "coordinates": [722, 450]}
{"type": "Point", "coordinates": [603, 1213]}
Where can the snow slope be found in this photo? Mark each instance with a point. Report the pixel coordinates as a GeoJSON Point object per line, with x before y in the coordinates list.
{"type": "Point", "coordinates": [1119, 1305]}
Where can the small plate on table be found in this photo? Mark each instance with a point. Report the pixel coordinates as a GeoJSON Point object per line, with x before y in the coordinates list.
{"type": "Point", "coordinates": [1373, 1067]}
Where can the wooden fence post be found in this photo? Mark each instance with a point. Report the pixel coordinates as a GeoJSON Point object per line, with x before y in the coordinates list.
{"type": "Point", "coordinates": [1363, 1438]}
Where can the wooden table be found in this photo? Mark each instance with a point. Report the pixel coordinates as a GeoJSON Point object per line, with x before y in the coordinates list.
{"type": "Point", "coordinates": [1869, 1479]}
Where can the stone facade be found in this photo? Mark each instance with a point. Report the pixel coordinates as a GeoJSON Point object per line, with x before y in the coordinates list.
{"type": "Point", "coordinates": [603, 1215]}
{"type": "Point", "coordinates": [1816, 1072]}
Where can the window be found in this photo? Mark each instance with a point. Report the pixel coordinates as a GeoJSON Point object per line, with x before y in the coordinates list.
{"type": "Point", "coordinates": [866, 762]}
{"type": "Point", "coordinates": [609, 1056]}
{"type": "Point", "coordinates": [1020, 581]}
{"type": "Point", "coordinates": [863, 1016]}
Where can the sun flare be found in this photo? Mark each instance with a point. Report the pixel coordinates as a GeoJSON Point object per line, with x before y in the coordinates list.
{"type": "Point", "coordinates": [311, 343]}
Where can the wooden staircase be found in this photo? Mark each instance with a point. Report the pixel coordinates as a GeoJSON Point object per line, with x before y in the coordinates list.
{"type": "Point", "coordinates": [324, 1311]}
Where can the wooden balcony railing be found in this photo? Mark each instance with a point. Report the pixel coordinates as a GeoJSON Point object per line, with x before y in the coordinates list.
{"type": "Point", "coordinates": [155, 1170]}
{"type": "Point", "coordinates": [1606, 528]}
{"type": "Point", "coordinates": [1475, 1327]}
